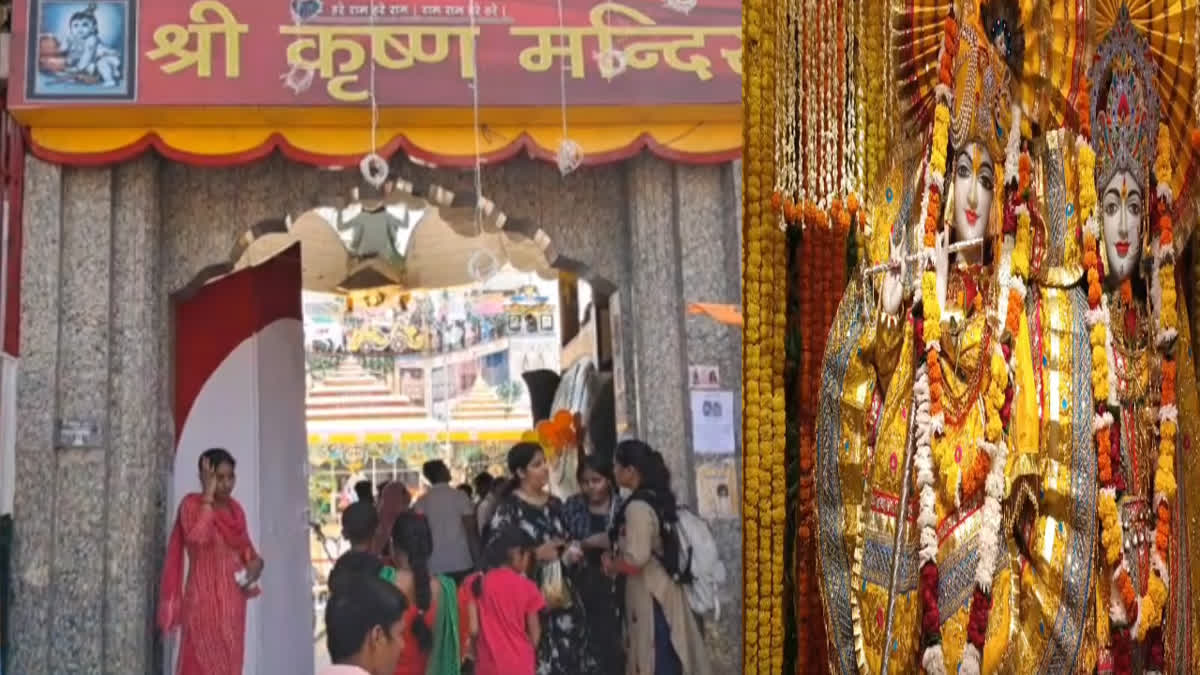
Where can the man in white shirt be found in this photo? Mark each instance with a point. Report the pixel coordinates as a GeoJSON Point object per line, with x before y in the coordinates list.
{"type": "Point", "coordinates": [451, 518]}
{"type": "Point", "coordinates": [364, 627]}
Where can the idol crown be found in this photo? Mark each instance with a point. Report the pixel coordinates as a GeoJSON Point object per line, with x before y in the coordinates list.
{"type": "Point", "coordinates": [1125, 107]}
{"type": "Point", "coordinates": [982, 92]}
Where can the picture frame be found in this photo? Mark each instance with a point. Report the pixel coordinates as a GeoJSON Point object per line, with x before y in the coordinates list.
{"type": "Point", "coordinates": [64, 63]}
{"type": "Point", "coordinates": [547, 322]}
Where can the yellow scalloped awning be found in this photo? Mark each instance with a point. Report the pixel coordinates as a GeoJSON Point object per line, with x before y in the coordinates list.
{"type": "Point", "coordinates": [340, 137]}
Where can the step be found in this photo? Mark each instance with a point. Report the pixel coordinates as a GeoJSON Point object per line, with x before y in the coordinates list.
{"type": "Point", "coordinates": [326, 392]}
{"type": "Point", "coordinates": [363, 413]}
{"type": "Point", "coordinates": [343, 405]}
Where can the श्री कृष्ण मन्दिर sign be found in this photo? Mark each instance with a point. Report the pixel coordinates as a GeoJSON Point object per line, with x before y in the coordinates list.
{"type": "Point", "coordinates": [424, 54]}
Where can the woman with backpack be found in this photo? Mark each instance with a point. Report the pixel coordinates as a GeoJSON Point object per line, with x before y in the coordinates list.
{"type": "Point", "coordinates": [647, 554]}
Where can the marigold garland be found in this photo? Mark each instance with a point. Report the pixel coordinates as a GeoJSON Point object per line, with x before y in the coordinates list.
{"type": "Point", "coordinates": [758, 433]}
{"type": "Point", "coordinates": [987, 470]}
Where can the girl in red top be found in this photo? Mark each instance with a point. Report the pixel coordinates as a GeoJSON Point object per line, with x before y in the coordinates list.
{"type": "Point", "coordinates": [432, 616]}
{"type": "Point", "coordinates": [507, 604]}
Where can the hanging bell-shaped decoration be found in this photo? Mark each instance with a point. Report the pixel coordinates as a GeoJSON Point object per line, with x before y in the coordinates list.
{"type": "Point", "coordinates": [570, 156]}
{"type": "Point", "coordinates": [299, 79]}
{"type": "Point", "coordinates": [681, 6]}
{"type": "Point", "coordinates": [611, 63]}
{"type": "Point", "coordinates": [374, 169]}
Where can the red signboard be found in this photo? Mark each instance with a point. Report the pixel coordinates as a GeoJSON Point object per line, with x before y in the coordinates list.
{"type": "Point", "coordinates": [538, 53]}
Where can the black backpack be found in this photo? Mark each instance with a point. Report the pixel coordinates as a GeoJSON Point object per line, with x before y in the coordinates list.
{"type": "Point", "coordinates": [676, 557]}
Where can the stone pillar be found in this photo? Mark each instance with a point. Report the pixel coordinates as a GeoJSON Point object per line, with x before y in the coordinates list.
{"type": "Point", "coordinates": [37, 397]}
{"type": "Point", "coordinates": [656, 311]}
{"type": "Point", "coordinates": [85, 519]}
{"type": "Point", "coordinates": [137, 448]}
{"type": "Point", "coordinates": [711, 254]}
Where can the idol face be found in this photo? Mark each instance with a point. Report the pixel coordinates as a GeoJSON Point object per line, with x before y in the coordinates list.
{"type": "Point", "coordinates": [974, 189]}
{"type": "Point", "coordinates": [1121, 217]}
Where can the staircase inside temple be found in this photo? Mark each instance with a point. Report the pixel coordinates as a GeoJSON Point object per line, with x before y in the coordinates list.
{"type": "Point", "coordinates": [351, 393]}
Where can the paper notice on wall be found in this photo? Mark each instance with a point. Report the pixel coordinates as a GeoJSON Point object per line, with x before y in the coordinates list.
{"type": "Point", "coordinates": [716, 489]}
{"type": "Point", "coordinates": [704, 377]}
{"type": "Point", "coordinates": [712, 422]}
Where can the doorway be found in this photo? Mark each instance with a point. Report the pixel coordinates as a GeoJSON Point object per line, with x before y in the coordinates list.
{"type": "Point", "coordinates": [239, 382]}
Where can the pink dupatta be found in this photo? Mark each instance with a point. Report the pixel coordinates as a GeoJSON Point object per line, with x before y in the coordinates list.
{"type": "Point", "coordinates": [230, 525]}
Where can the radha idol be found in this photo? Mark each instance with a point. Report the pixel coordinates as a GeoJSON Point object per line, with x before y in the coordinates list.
{"type": "Point", "coordinates": [1144, 376]}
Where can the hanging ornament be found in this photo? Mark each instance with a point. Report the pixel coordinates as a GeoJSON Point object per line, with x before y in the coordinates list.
{"type": "Point", "coordinates": [298, 78]}
{"type": "Point", "coordinates": [681, 6]}
{"type": "Point", "coordinates": [570, 156]}
{"type": "Point", "coordinates": [374, 169]}
{"type": "Point", "coordinates": [483, 265]}
{"type": "Point", "coordinates": [611, 62]}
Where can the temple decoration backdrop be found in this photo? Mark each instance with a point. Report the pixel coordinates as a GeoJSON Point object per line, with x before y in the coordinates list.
{"type": "Point", "coordinates": [848, 111]}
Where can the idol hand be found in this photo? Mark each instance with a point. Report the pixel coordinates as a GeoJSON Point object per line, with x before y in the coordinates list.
{"type": "Point", "coordinates": [941, 265]}
{"type": "Point", "coordinates": [892, 291]}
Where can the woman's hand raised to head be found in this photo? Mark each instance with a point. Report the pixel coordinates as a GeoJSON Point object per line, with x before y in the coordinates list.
{"type": "Point", "coordinates": [208, 479]}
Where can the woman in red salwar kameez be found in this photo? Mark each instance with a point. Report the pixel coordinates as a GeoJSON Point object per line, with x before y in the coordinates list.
{"type": "Point", "coordinates": [223, 571]}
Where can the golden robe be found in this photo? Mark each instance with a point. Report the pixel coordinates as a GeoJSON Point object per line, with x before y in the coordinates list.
{"type": "Point", "coordinates": [964, 360]}
{"type": "Point", "coordinates": [1057, 575]}
{"type": "Point", "coordinates": [862, 433]}
{"type": "Point", "coordinates": [859, 365]}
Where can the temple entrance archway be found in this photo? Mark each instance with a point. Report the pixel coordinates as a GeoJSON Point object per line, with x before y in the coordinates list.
{"type": "Point", "coordinates": [361, 245]}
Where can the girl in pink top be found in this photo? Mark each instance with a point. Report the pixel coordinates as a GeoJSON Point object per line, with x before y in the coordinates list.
{"type": "Point", "coordinates": [507, 605]}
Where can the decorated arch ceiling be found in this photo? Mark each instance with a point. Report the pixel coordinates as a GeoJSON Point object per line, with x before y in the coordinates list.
{"type": "Point", "coordinates": [405, 235]}
{"type": "Point", "coordinates": [221, 82]}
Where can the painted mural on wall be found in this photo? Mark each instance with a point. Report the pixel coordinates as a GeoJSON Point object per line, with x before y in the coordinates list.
{"type": "Point", "coordinates": [81, 50]}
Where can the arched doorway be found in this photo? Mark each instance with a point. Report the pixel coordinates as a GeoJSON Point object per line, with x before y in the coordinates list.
{"type": "Point", "coordinates": [371, 251]}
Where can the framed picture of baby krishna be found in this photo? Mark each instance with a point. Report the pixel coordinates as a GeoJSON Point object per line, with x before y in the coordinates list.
{"type": "Point", "coordinates": [81, 51]}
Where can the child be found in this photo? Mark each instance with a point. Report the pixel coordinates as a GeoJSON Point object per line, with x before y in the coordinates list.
{"type": "Point", "coordinates": [507, 605]}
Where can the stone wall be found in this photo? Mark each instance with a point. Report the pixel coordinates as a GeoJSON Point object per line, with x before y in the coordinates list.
{"type": "Point", "coordinates": [104, 248]}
